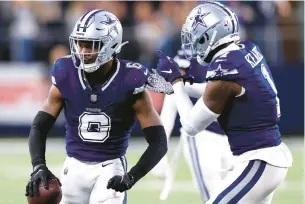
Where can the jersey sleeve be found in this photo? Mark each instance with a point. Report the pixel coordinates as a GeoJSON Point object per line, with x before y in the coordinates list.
{"type": "Point", "coordinates": [136, 78]}
{"type": "Point", "coordinates": [225, 68]}
{"type": "Point", "coordinates": [58, 73]}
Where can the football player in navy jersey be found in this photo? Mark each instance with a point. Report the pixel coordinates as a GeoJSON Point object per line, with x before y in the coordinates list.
{"type": "Point", "coordinates": [240, 93]}
{"type": "Point", "coordinates": [102, 96]}
{"type": "Point", "coordinates": [208, 155]}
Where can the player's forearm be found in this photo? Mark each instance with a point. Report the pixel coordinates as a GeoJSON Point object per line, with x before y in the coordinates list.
{"type": "Point", "coordinates": [42, 124]}
{"type": "Point", "coordinates": [196, 118]}
{"type": "Point", "coordinates": [157, 148]}
{"type": "Point", "coordinates": [168, 114]}
{"type": "Point", "coordinates": [183, 101]}
{"type": "Point", "coordinates": [195, 90]}
{"type": "Point", "coordinates": [199, 118]}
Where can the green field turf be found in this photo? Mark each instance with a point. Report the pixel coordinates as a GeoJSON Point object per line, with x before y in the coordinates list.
{"type": "Point", "coordinates": [15, 170]}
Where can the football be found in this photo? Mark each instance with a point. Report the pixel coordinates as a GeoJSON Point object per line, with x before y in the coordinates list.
{"type": "Point", "coordinates": [51, 196]}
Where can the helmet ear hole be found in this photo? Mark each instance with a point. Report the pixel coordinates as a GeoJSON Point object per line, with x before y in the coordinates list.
{"type": "Point", "coordinates": [113, 46]}
{"type": "Point", "coordinates": [202, 40]}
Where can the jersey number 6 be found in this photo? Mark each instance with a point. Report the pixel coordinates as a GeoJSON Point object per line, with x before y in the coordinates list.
{"type": "Point", "coordinates": [94, 127]}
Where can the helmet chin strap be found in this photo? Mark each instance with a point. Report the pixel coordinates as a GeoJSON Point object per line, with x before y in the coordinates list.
{"type": "Point", "coordinates": [201, 61]}
{"type": "Point", "coordinates": [118, 50]}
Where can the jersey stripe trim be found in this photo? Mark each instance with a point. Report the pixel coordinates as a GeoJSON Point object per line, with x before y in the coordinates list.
{"type": "Point", "coordinates": [243, 184]}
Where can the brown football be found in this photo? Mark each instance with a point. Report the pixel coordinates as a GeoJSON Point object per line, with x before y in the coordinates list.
{"type": "Point", "coordinates": [51, 196]}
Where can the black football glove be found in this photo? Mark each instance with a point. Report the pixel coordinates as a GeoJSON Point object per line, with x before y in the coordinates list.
{"type": "Point", "coordinates": [187, 77]}
{"type": "Point", "coordinates": [42, 174]}
{"type": "Point", "coordinates": [121, 183]}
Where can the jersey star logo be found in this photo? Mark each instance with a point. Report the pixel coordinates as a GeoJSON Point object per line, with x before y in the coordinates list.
{"type": "Point", "coordinates": [199, 20]}
{"type": "Point", "coordinates": [219, 71]}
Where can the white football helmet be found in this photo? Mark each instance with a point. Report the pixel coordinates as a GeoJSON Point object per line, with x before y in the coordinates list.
{"type": "Point", "coordinates": [104, 32]}
{"type": "Point", "coordinates": [208, 26]}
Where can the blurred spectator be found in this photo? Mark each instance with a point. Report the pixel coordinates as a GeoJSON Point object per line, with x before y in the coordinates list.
{"type": "Point", "coordinates": [74, 11]}
{"type": "Point", "coordinates": [23, 31]}
{"type": "Point", "coordinates": [291, 25]}
{"type": "Point", "coordinates": [262, 28]}
{"type": "Point", "coordinates": [146, 29]}
{"type": "Point", "coordinates": [30, 29]}
{"type": "Point", "coordinates": [176, 13]}
{"type": "Point", "coordinates": [57, 52]}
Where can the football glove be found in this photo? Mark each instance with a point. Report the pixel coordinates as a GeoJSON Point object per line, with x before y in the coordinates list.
{"type": "Point", "coordinates": [40, 174]}
{"type": "Point", "coordinates": [121, 183]}
{"type": "Point", "coordinates": [167, 67]}
{"type": "Point", "coordinates": [157, 83]}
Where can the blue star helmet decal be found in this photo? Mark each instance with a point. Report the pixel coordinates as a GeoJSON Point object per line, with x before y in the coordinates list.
{"type": "Point", "coordinates": [199, 19]}
{"type": "Point", "coordinates": [111, 23]}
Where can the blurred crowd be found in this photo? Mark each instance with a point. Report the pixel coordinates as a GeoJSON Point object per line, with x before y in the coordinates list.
{"type": "Point", "coordinates": [39, 31]}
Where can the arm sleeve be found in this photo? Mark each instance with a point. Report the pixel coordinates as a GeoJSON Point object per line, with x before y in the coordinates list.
{"type": "Point", "coordinates": [157, 148]}
{"type": "Point", "coordinates": [193, 118]}
{"type": "Point", "coordinates": [183, 101]}
{"type": "Point", "coordinates": [42, 124]}
{"type": "Point", "coordinates": [168, 114]}
{"type": "Point", "coordinates": [195, 90]}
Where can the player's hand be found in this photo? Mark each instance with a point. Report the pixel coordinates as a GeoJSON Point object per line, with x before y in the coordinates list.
{"type": "Point", "coordinates": [187, 77]}
{"type": "Point", "coordinates": [189, 71]}
{"type": "Point", "coordinates": [40, 174]}
{"type": "Point", "coordinates": [121, 183]}
{"type": "Point", "coordinates": [167, 67]}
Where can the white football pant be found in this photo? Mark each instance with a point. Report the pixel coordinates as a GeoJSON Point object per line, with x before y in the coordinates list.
{"type": "Point", "coordinates": [86, 182]}
{"type": "Point", "coordinates": [254, 176]}
{"type": "Point", "coordinates": [250, 182]}
{"type": "Point", "coordinates": [208, 156]}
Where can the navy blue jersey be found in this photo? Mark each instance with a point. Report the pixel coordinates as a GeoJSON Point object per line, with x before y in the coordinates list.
{"type": "Point", "coordinates": [98, 121]}
{"type": "Point", "coordinates": [199, 73]}
{"type": "Point", "coordinates": [249, 121]}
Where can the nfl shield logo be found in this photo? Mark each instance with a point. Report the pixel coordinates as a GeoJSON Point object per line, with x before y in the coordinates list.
{"type": "Point", "coordinates": [93, 98]}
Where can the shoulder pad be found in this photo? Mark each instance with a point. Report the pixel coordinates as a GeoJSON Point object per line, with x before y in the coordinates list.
{"type": "Point", "coordinates": [58, 71]}
{"type": "Point", "coordinates": [226, 66]}
{"type": "Point", "coordinates": [136, 75]}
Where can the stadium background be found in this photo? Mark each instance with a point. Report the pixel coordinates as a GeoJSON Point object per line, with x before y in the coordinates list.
{"type": "Point", "coordinates": [35, 34]}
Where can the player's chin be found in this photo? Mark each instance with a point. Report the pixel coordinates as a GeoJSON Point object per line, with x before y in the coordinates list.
{"type": "Point", "coordinates": [88, 61]}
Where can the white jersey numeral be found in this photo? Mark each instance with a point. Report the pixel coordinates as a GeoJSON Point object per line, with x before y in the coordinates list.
{"type": "Point", "coordinates": [94, 127]}
{"type": "Point", "coordinates": [133, 65]}
{"type": "Point", "coordinates": [272, 85]}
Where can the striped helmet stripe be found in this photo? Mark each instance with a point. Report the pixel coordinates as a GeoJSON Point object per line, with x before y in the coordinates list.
{"type": "Point", "coordinates": [84, 15]}
{"type": "Point", "coordinates": [90, 16]}
{"type": "Point", "coordinates": [85, 20]}
{"type": "Point", "coordinates": [229, 12]}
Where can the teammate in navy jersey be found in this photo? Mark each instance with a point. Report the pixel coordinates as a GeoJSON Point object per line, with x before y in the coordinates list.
{"type": "Point", "coordinates": [102, 96]}
{"type": "Point", "coordinates": [240, 93]}
{"type": "Point", "coordinates": [208, 155]}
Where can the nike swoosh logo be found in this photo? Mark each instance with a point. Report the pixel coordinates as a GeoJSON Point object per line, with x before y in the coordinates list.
{"type": "Point", "coordinates": [169, 72]}
{"type": "Point", "coordinates": [100, 29]}
{"type": "Point", "coordinates": [145, 72]}
{"type": "Point", "coordinates": [103, 165]}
